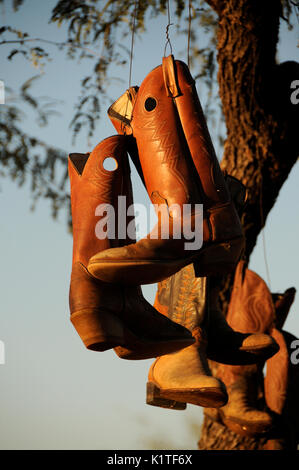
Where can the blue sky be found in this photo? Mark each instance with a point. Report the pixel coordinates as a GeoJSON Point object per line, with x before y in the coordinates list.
{"type": "Point", "coordinates": [54, 393]}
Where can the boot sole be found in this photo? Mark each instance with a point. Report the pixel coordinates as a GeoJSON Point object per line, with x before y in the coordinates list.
{"type": "Point", "coordinates": [243, 428]}
{"type": "Point", "coordinates": [152, 349]}
{"type": "Point", "coordinates": [94, 329]}
{"type": "Point", "coordinates": [169, 398]}
{"type": "Point", "coordinates": [215, 259]}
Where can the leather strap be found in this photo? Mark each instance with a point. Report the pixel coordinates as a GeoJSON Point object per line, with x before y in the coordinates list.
{"type": "Point", "coordinates": [170, 77]}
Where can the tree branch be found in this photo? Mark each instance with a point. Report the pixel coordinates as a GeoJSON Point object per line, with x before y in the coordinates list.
{"type": "Point", "coordinates": [48, 41]}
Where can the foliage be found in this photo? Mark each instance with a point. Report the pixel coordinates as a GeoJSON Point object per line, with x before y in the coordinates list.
{"type": "Point", "coordinates": [25, 157]}
{"type": "Point", "coordinates": [98, 31]}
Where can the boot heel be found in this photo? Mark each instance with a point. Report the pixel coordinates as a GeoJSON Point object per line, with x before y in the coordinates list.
{"type": "Point", "coordinates": [98, 330]}
{"type": "Point", "coordinates": [153, 398]}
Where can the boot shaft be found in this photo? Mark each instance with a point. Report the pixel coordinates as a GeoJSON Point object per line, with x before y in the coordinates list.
{"type": "Point", "coordinates": [174, 145]}
{"type": "Point", "coordinates": [183, 298]}
{"type": "Point", "coordinates": [251, 308]}
{"type": "Point", "coordinates": [162, 148]}
{"type": "Point", "coordinates": [93, 187]}
{"type": "Point", "coordinates": [213, 188]}
{"type": "Point", "coordinates": [276, 380]}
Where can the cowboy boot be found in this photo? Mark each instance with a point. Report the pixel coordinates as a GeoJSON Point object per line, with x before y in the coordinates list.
{"type": "Point", "coordinates": [151, 321]}
{"type": "Point", "coordinates": [277, 367]}
{"type": "Point", "coordinates": [185, 377]}
{"type": "Point", "coordinates": [105, 315]}
{"type": "Point", "coordinates": [250, 309]}
{"type": "Point", "coordinates": [278, 372]}
{"type": "Point", "coordinates": [290, 413]}
{"type": "Point", "coordinates": [187, 300]}
{"type": "Point", "coordinates": [278, 377]}
{"type": "Point", "coordinates": [183, 297]}
{"type": "Point", "coordinates": [241, 413]}
{"type": "Point", "coordinates": [228, 343]}
{"type": "Point", "coordinates": [165, 156]}
{"type": "Point", "coordinates": [177, 379]}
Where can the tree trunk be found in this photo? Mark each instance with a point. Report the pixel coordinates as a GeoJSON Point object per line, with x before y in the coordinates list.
{"type": "Point", "coordinates": [261, 146]}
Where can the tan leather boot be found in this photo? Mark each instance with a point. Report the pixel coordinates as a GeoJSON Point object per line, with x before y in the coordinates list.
{"type": "Point", "coordinates": [168, 165]}
{"type": "Point", "coordinates": [105, 315]}
{"type": "Point", "coordinates": [241, 414]}
{"type": "Point", "coordinates": [186, 300]}
{"type": "Point", "coordinates": [185, 377]}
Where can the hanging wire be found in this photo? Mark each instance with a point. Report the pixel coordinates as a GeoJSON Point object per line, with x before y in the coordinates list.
{"type": "Point", "coordinates": [168, 42]}
{"type": "Point", "coordinates": [263, 234]}
{"type": "Point", "coordinates": [133, 27]}
{"type": "Point", "coordinates": [189, 31]}
{"type": "Point", "coordinates": [136, 5]}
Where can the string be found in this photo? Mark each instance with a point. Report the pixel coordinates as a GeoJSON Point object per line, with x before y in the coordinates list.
{"type": "Point", "coordinates": [189, 31]}
{"type": "Point", "coordinates": [133, 26]}
{"type": "Point", "coordinates": [263, 234]}
{"type": "Point", "coordinates": [168, 42]}
{"type": "Point", "coordinates": [136, 4]}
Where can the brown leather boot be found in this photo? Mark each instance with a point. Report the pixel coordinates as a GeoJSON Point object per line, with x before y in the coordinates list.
{"type": "Point", "coordinates": [184, 377]}
{"type": "Point", "coordinates": [230, 343]}
{"type": "Point", "coordinates": [252, 301]}
{"type": "Point", "coordinates": [250, 309]}
{"type": "Point", "coordinates": [167, 158]}
{"type": "Point", "coordinates": [241, 414]}
{"type": "Point", "coordinates": [105, 315]}
{"type": "Point", "coordinates": [277, 378]}
{"type": "Point", "coordinates": [277, 375]}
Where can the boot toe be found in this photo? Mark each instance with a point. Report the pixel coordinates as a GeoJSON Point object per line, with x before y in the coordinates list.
{"type": "Point", "coordinates": [260, 342]}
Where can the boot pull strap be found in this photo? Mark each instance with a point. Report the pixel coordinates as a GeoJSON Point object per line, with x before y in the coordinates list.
{"type": "Point", "coordinates": [170, 76]}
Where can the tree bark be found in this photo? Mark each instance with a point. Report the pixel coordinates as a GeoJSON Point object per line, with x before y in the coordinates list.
{"type": "Point", "coordinates": [261, 145]}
